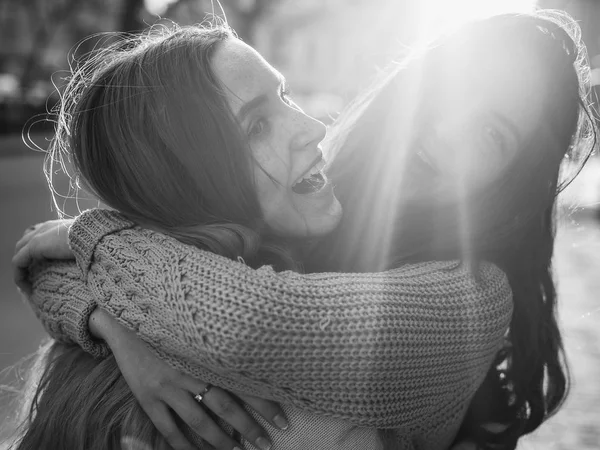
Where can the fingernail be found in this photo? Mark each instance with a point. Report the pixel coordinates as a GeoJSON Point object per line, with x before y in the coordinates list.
{"type": "Point", "coordinates": [263, 444]}
{"type": "Point", "coordinates": [280, 421]}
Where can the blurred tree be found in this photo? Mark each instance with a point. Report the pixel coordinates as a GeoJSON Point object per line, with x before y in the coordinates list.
{"type": "Point", "coordinates": [131, 15]}
{"type": "Point", "coordinates": [35, 37]}
{"type": "Point", "coordinates": [47, 17]}
{"type": "Point", "coordinates": [248, 14]}
{"type": "Point", "coordinates": [243, 15]}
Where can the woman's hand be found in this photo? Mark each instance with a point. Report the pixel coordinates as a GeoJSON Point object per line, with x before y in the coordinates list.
{"type": "Point", "coordinates": [161, 389]}
{"type": "Point", "coordinates": [47, 240]}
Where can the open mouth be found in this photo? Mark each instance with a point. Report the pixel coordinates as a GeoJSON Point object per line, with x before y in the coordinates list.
{"type": "Point", "coordinates": [312, 181]}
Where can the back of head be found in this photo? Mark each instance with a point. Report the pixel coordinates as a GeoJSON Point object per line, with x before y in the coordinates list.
{"type": "Point", "coordinates": [83, 403]}
{"type": "Point", "coordinates": [394, 213]}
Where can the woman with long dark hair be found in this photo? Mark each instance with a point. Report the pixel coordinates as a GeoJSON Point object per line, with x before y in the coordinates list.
{"type": "Point", "coordinates": [454, 158]}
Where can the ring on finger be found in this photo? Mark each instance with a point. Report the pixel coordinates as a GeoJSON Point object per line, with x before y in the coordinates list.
{"type": "Point", "coordinates": [199, 397]}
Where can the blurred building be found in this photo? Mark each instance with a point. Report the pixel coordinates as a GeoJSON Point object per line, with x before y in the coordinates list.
{"type": "Point", "coordinates": [333, 46]}
{"type": "Point", "coordinates": [35, 39]}
{"type": "Point", "coordinates": [46, 30]}
{"type": "Point", "coordinates": [329, 50]}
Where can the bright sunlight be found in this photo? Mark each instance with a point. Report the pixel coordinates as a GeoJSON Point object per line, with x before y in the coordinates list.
{"type": "Point", "coordinates": [438, 14]}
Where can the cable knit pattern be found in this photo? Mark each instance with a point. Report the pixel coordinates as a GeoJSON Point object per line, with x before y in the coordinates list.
{"type": "Point", "coordinates": [404, 349]}
{"type": "Point", "coordinates": [63, 303]}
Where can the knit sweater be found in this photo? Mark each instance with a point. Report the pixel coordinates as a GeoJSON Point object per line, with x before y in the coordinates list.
{"type": "Point", "coordinates": [405, 349]}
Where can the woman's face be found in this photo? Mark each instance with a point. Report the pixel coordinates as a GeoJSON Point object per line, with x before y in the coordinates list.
{"type": "Point", "coordinates": [487, 106]}
{"type": "Point", "coordinates": [295, 197]}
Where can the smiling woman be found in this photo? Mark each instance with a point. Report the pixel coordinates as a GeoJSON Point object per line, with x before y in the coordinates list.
{"type": "Point", "coordinates": [483, 116]}
{"type": "Point", "coordinates": [295, 198]}
{"type": "Point", "coordinates": [433, 312]}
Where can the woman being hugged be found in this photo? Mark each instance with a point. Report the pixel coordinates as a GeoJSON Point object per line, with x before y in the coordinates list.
{"type": "Point", "coordinates": [447, 173]}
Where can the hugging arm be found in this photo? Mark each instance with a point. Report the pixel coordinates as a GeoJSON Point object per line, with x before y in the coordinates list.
{"type": "Point", "coordinates": [64, 304]}
{"type": "Point", "coordinates": [398, 349]}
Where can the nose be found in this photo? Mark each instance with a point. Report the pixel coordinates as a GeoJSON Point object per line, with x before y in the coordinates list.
{"type": "Point", "coordinates": [310, 132]}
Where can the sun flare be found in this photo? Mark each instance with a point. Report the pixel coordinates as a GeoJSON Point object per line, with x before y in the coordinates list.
{"type": "Point", "coordinates": [439, 14]}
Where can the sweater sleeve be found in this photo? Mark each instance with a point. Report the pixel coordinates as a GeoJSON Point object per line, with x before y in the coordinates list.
{"type": "Point", "coordinates": [403, 348]}
{"type": "Point", "coordinates": [60, 299]}
{"type": "Point", "coordinates": [63, 303]}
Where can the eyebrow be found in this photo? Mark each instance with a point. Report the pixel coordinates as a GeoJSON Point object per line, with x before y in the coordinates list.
{"type": "Point", "coordinates": [257, 102]}
{"type": "Point", "coordinates": [253, 104]}
{"type": "Point", "coordinates": [508, 124]}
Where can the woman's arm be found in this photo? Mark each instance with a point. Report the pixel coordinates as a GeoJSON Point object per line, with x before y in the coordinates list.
{"type": "Point", "coordinates": [45, 272]}
{"type": "Point", "coordinates": [62, 301]}
{"type": "Point", "coordinates": [64, 304]}
{"type": "Point", "coordinates": [393, 349]}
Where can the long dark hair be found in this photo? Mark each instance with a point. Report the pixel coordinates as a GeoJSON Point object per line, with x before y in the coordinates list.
{"type": "Point", "coordinates": [392, 217]}
{"type": "Point", "coordinates": [82, 403]}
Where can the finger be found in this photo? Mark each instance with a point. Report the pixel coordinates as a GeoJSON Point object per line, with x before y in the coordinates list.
{"type": "Point", "coordinates": [227, 408]}
{"type": "Point", "coordinates": [271, 411]}
{"type": "Point", "coordinates": [20, 267]}
{"type": "Point", "coordinates": [165, 424]}
{"type": "Point", "coordinates": [41, 228]}
{"type": "Point", "coordinates": [43, 245]}
{"type": "Point", "coordinates": [23, 257]}
{"type": "Point", "coordinates": [193, 414]}
{"type": "Point", "coordinates": [29, 233]}
{"type": "Point", "coordinates": [30, 230]}
{"type": "Point", "coordinates": [21, 279]}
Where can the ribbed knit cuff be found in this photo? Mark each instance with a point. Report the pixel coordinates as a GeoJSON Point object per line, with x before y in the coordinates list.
{"type": "Point", "coordinates": [75, 320]}
{"type": "Point", "coordinates": [64, 306]}
{"type": "Point", "coordinates": [88, 230]}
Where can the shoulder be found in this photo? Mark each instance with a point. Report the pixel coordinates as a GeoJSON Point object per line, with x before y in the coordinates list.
{"type": "Point", "coordinates": [160, 251]}
{"type": "Point", "coordinates": [454, 274]}
{"type": "Point", "coordinates": [475, 286]}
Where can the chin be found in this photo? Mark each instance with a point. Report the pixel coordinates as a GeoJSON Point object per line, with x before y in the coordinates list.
{"type": "Point", "coordinates": [325, 223]}
{"type": "Point", "coordinates": [308, 223]}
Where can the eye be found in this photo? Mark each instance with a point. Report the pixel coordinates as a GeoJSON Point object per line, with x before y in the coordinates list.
{"type": "Point", "coordinates": [257, 127]}
{"type": "Point", "coordinates": [493, 135]}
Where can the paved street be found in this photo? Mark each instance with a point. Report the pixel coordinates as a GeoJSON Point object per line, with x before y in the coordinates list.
{"type": "Point", "coordinates": [25, 199]}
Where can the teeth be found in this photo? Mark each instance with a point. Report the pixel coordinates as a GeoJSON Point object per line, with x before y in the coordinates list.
{"type": "Point", "coordinates": [314, 170]}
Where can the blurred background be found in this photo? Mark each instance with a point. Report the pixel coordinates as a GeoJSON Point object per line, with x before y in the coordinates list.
{"type": "Point", "coordinates": [328, 50]}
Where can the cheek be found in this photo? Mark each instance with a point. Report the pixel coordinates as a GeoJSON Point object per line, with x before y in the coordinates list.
{"type": "Point", "coordinates": [275, 202]}
{"type": "Point", "coordinates": [270, 157]}
{"type": "Point", "coordinates": [465, 161]}
{"type": "Point", "coordinates": [271, 177]}
{"type": "Point", "coordinates": [475, 167]}
{"type": "Point", "coordinates": [268, 189]}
